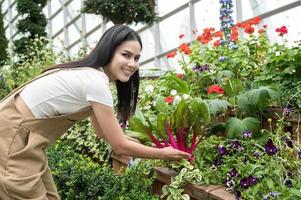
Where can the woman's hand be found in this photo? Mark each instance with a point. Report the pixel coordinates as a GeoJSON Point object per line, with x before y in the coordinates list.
{"type": "Point", "coordinates": [169, 153]}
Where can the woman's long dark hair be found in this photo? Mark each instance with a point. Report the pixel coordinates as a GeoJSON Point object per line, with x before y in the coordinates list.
{"type": "Point", "coordinates": [101, 55]}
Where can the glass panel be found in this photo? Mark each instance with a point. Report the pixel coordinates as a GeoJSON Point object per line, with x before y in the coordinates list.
{"type": "Point", "coordinates": [92, 21]}
{"type": "Point", "coordinates": [14, 10]}
{"type": "Point", "coordinates": [94, 37]}
{"type": "Point", "coordinates": [55, 5]}
{"type": "Point", "coordinates": [207, 15]}
{"type": "Point", "coordinates": [167, 6]}
{"type": "Point", "coordinates": [4, 6]}
{"type": "Point", "coordinates": [169, 31]}
{"type": "Point", "coordinates": [57, 22]}
{"type": "Point", "coordinates": [74, 51]}
{"type": "Point", "coordinates": [73, 9]}
{"type": "Point", "coordinates": [148, 42]}
{"type": "Point", "coordinates": [253, 8]}
{"type": "Point", "coordinates": [58, 42]}
{"type": "Point", "coordinates": [73, 34]}
{"type": "Point", "coordinates": [287, 19]}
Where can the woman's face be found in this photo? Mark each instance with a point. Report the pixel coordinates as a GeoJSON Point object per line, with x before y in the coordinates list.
{"type": "Point", "coordinates": [124, 61]}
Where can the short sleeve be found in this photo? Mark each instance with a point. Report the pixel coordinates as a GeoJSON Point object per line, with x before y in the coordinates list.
{"type": "Point", "coordinates": [98, 91]}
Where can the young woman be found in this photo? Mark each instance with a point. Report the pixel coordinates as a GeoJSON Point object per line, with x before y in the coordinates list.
{"type": "Point", "coordinates": [39, 112]}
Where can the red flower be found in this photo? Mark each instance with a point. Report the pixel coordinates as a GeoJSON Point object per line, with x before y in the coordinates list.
{"type": "Point", "coordinates": [185, 48]}
{"type": "Point", "coordinates": [218, 34]}
{"type": "Point", "coordinates": [169, 99]}
{"type": "Point", "coordinates": [249, 29]}
{"type": "Point", "coordinates": [180, 76]}
{"type": "Point", "coordinates": [216, 43]}
{"type": "Point", "coordinates": [181, 36]}
{"type": "Point", "coordinates": [171, 54]}
{"type": "Point", "coordinates": [282, 30]}
{"type": "Point", "coordinates": [215, 89]}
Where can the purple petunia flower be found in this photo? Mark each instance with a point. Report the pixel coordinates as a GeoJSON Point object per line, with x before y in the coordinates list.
{"type": "Point", "coordinates": [235, 144]}
{"type": "Point", "coordinates": [247, 134]}
{"type": "Point", "coordinates": [270, 148]}
{"type": "Point", "coordinates": [252, 180]}
{"type": "Point", "coordinates": [244, 183]}
{"type": "Point", "coordinates": [299, 155]}
{"type": "Point", "coordinates": [222, 150]}
{"type": "Point", "coordinates": [233, 172]}
{"type": "Point", "coordinates": [217, 162]}
{"type": "Point", "coordinates": [198, 68]}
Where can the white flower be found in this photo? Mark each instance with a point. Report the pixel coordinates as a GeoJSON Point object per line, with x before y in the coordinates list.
{"type": "Point", "coordinates": [147, 107]}
{"type": "Point", "coordinates": [173, 92]}
{"type": "Point", "coordinates": [186, 96]}
{"type": "Point", "coordinates": [149, 88]}
{"type": "Point", "coordinates": [177, 99]}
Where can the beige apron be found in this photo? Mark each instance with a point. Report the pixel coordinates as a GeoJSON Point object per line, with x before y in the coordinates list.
{"type": "Point", "coordinates": [24, 171]}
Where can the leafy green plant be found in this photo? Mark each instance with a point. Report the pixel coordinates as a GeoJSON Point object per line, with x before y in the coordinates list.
{"type": "Point", "coordinates": [84, 140]}
{"type": "Point", "coordinates": [79, 178]}
{"type": "Point", "coordinates": [122, 11]}
{"type": "Point", "coordinates": [181, 126]}
{"type": "Point", "coordinates": [32, 25]}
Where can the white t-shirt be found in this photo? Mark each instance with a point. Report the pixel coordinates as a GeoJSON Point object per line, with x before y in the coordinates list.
{"type": "Point", "coordinates": [67, 91]}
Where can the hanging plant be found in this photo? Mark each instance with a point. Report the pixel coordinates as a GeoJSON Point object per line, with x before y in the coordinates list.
{"type": "Point", "coordinates": [32, 24]}
{"type": "Point", "coordinates": [122, 11]}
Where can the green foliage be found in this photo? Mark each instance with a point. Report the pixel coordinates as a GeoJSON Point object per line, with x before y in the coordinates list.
{"type": "Point", "coordinates": [78, 178]}
{"type": "Point", "coordinates": [249, 157]}
{"type": "Point", "coordinates": [134, 184]}
{"type": "Point", "coordinates": [83, 139]}
{"type": "Point", "coordinates": [171, 81]}
{"type": "Point", "coordinates": [187, 174]}
{"type": "Point", "coordinates": [32, 24]}
{"type": "Point", "coordinates": [3, 40]}
{"type": "Point", "coordinates": [254, 101]}
{"type": "Point", "coordinates": [235, 127]}
{"type": "Point", "coordinates": [122, 11]}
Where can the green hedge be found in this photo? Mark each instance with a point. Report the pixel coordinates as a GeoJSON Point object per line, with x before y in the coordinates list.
{"type": "Point", "coordinates": [78, 178]}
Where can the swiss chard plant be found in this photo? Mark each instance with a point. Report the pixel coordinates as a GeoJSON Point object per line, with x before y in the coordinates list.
{"type": "Point", "coordinates": [180, 124]}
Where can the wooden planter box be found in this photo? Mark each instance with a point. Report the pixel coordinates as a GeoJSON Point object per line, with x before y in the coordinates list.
{"type": "Point", "coordinates": [164, 175]}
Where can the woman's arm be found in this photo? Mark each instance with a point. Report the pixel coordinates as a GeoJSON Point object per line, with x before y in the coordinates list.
{"type": "Point", "coordinates": [112, 133]}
